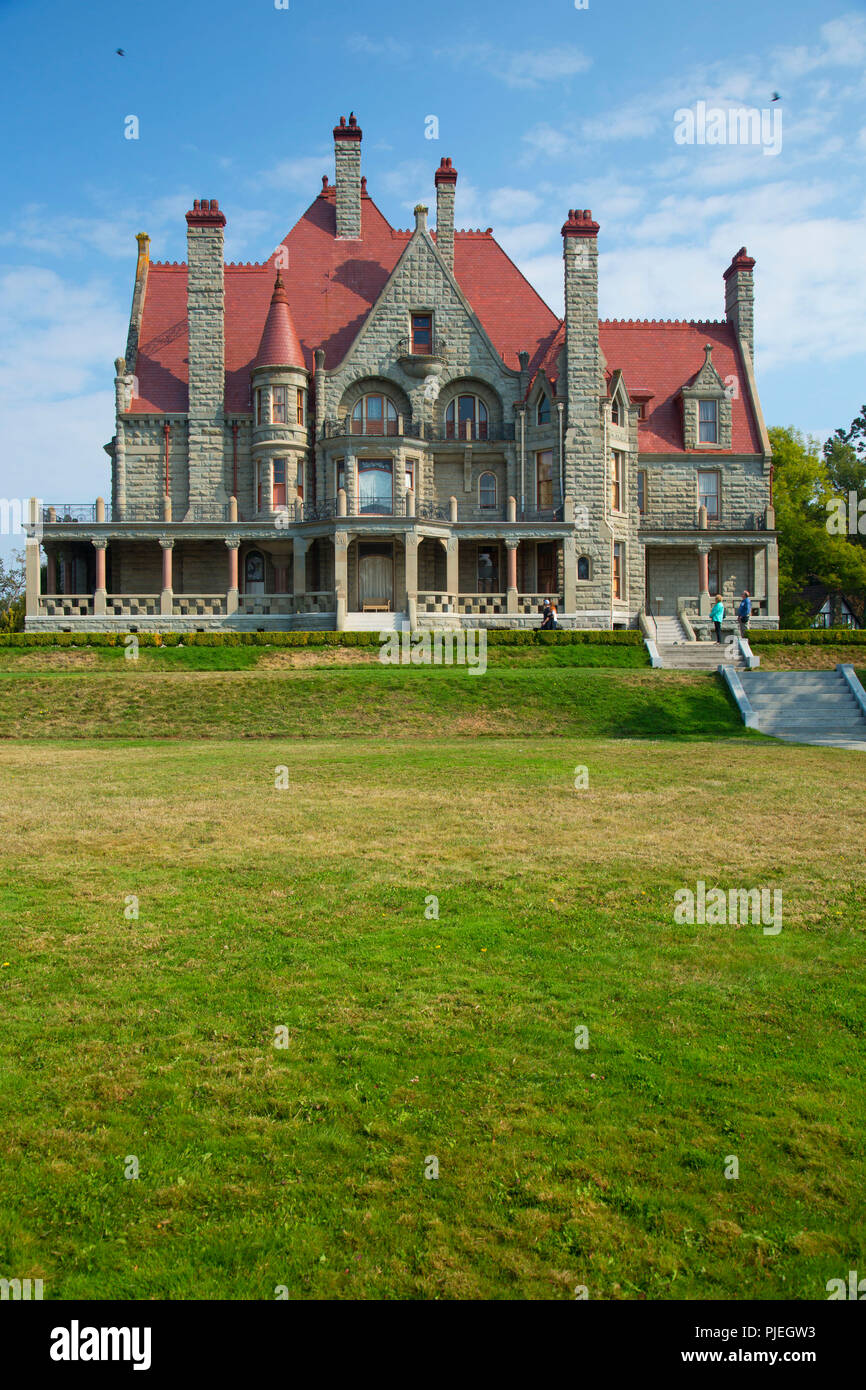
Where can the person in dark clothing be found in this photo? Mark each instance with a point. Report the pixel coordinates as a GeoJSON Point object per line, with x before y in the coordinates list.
{"type": "Point", "coordinates": [744, 613]}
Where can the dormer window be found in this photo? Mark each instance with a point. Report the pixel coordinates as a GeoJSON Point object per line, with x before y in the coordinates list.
{"type": "Point", "coordinates": [422, 334]}
{"type": "Point", "coordinates": [616, 412]}
{"type": "Point", "coordinates": [708, 422]}
{"type": "Point", "coordinates": [466, 418]}
{"type": "Point", "coordinates": [544, 409]}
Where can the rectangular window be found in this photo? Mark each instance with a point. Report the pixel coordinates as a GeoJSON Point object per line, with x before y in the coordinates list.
{"type": "Point", "coordinates": [544, 478]}
{"type": "Point", "coordinates": [616, 492]}
{"type": "Point", "coordinates": [375, 487]}
{"type": "Point", "coordinates": [713, 571]}
{"type": "Point", "coordinates": [259, 468]}
{"type": "Point", "coordinates": [302, 406]}
{"type": "Point", "coordinates": [641, 490]}
{"type": "Point", "coordinates": [708, 492]}
{"type": "Point", "coordinates": [641, 410]}
{"type": "Point", "coordinates": [280, 405]}
{"type": "Point", "coordinates": [262, 407]}
{"type": "Point", "coordinates": [617, 569]}
{"type": "Point", "coordinates": [422, 334]}
{"type": "Point", "coordinates": [708, 418]}
{"type": "Point", "coordinates": [299, 482]}
{"type": "Point", "coordinates": [341, 476]}
{"type": "Point", "coordinates": [488, 569]}
{"type": "Point", "coordinates": [279, 483]}
{"type": "Point", "coordinates": [410, 475]}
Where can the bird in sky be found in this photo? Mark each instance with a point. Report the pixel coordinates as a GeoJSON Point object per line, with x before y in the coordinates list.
{"type": "Point", "coordinates": [776, 96]}
{"type": "Point", "coordinates": [120, 52]}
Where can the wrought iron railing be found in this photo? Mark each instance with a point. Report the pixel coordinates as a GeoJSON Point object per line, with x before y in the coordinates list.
{"type": "Point", "coordinates": [406, 347]}
{"type": "Point", "coordinates": [688, 521]}
{"type": "Point", "coordinates": [76, 513]}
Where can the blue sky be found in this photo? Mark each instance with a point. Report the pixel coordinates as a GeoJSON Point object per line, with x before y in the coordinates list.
{"type": "Point", "coordinates": [541, 107]}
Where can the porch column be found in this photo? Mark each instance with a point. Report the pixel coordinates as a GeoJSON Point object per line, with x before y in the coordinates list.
{"type": "Point", "coordinates": [511, 560]}
{"type": "Point", "coordinates": [771, 553]}
{"type": "Point", "coordinates": [51, 570]}
{"type": "Point", "coordinates": [32, 577]}
{"type": "Point", "coordinates": [166, 598]}
{"type": "Point", "coordinates": [569, 575]}
{"type": "Point", "coordinates": [704, 581]}
{"type": "Point", "coordinates": [452, 570]}
{"type": "Point", "coordinates": [411, 549]}
{"type": "Point", "coordinates": [300, 546]}
{"type": "Point", "coordinates": [341, 576]}
{"type": "Point", "coordinates": [99, 594]}
{"type": "Point", "coordinates": [232, 592]}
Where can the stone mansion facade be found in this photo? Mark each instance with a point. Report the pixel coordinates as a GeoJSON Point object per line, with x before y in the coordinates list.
{"type": "Point", "coordinates": [375, 426]}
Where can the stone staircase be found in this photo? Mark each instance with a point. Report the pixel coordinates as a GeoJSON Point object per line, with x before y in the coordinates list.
{"type": "Point", "coordinates": [698, 656]}
{"type": "Point", "coordinates": [806, 707]}
{"type": "Point", "coordinates": [669, 631]}
{"type": "Point", "coordinates": [375, 622]}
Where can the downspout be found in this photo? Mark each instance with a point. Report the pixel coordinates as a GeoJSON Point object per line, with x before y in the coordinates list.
{"type": "Point", "coordinates": [522, 465]}
{"type": "Point", "coordinates": [235, 459]}
{"type": "Point", "coordinates": [559, 407]}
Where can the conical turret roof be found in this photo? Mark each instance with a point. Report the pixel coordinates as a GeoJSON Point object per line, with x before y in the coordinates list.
{"type": "Point", "coordinates": [280, 345]}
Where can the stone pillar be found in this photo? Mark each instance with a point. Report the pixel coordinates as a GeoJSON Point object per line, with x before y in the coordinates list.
{"type": "Point", "coordinates": [32, 577]}
{"type": "Point", "coordinates": [512, 509]}
{"type": "Point", "coordinates": [704, 604]}
{"type": "Point", "coordinates": [511, 559]}
{"type": "Point", "coordinates": [341, 502]}
{"type": "Point", "coordinates": [445, 179]}
{"type": "Point", "coordinates": [452, 509]}
{"type": "Point", "coordinates": [569, 575]}
{"type": "Point", "coordinates": [410, 502]}
{"type": "Point", "coordinates": [99, 594]}
{"type": "Point", "coordinates": [166, 598]}
{"type": "Point", "coordinates": [341, 576]}
{"type": "Point", "coordinates": [411, 545]}
{"type": "Point", "coordinates": [771, 553]}
{"type": "Point", "coordinates": [51, 570]}
{"type": "Point", "coordinates": [299, 571]}
{"type": "Point", "coordinates": [452, 570]}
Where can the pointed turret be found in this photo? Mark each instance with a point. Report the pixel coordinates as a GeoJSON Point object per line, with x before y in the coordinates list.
{"type": "Point", "coordinates": [280, 345]}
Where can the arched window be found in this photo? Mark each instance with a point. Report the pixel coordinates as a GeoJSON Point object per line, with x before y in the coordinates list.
{"type": "Point", "coordinates": [616, 412]}
{"type": "Point", "coordinates": [466, 418]}
{"type": "Point", "coordinates": [583, 567]}
{"type": "Point", "coordinates": [374, 414]}
{"type": "Point", "coordinates": [487, 490]}
{"type": "Point", "coordinates": [544, 409]}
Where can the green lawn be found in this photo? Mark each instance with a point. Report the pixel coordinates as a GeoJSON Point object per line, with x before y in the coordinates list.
{"type": "Point", "coordinates": [410, 1036]}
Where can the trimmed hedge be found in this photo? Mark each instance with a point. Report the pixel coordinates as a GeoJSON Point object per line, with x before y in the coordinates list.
{"type": "Point", "coordinates": [808, 637]}
{"type": "Point", "coordinates": [503, 637]}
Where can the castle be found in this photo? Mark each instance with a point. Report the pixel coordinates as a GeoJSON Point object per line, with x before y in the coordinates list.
{"type": "Point", "coordinates": [376, 426]}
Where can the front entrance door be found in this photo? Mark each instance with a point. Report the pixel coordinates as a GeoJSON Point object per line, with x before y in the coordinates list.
{"type": "Point", "coordinates": [376, 574]}
{"type": "Point", "coordinates": [547, 568]}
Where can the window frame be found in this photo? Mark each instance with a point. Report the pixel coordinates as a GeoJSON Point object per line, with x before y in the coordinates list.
{"type": "Point", "coordinates": [539, 455]}
{"type": "Point", "coordinates": [369, 465]}
{"type": "Point", "coordinates": [544, 403]}
{"type": "Point", "coordinates": [302, 406]}
{"type": "Point", "coordinates": [488, 506]}
{"type": "Point", "coordinates": [713, 421]}
{"type": "Point", "coordinates": [585, 561]}
{"type": "Point", "coordinates": [422, 333]}
{"type": "Point", "coordinates": [281, 463]}
{"type": "Point", "coordinates": [388, 418]}
{"type": "Point", "coordinates": [617, 481]}
{"type": "Point", "coordinates": [618, 570]}
{"type": "Point", "coordinates": [642, 487]}
{"type": "Point", "coordinates": [710, 473]}
{"type": "Point", "coordinates": [279, 405]}
{"type": "Point", "coordinates": [480, 426]}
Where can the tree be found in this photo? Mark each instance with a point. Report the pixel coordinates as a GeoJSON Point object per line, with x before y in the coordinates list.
{"type": "Point", "coordinates": [845, 456]}
{"type": "Point", "coordinates": [12, 594]}
{"type": "Point", "coordinates": [808, 552]}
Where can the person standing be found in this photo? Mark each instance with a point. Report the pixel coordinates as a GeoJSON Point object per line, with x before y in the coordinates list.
{"type": "Point", "coordinates": [717, 613]}
{"type": "Point", "coordinates": [744, 613]}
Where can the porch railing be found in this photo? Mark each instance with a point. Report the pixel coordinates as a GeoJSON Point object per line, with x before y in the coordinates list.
{"type": "Point", "coordinates": [481, 604]}
{"type": "Point", "coordinates": [199, 605]}
{"type": "Point", "coordinates": [65, 605]}
{"type": "Point", "coordinates": [132, 605]}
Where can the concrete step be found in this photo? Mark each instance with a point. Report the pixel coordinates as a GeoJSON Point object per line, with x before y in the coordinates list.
{"type": "Point", "coordinates": [374, 622]}
{"type": "Point", "coordinates": [806, 707]}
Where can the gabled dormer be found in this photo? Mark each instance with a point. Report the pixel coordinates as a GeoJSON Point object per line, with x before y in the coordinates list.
{"type": "Point", "coordinates": [706, 408]}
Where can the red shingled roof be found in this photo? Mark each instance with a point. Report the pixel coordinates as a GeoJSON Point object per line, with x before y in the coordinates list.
{"type": "Point", "coordinates": [279, 346]}
{"type": "Point", "coordinates": [332, 285]}
{"type": "Point", "coordinates": [664, 357]}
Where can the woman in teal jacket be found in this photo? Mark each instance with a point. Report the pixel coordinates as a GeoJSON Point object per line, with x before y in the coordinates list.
{"type": "Point", "coordinates": [717, 613]}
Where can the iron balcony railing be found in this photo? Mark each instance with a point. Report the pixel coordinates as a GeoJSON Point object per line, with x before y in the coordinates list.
{"type": "Point", "coordinates": [407, 347]}
{"type": "Point", "coordinates": [327, 511]}
{"type": "Point", "coordinates": [688, 521]}
{"type": "Point", "coordinates": [76, 513]}
{"type": "Point", "coordinates": [466, 431]}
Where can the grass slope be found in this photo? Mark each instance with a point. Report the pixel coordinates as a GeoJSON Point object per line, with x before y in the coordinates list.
{"type": "Point", "coordinates": [411, 1036]}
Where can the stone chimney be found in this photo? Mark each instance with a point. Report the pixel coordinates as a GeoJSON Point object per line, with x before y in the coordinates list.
{"type": "Point", "coordinates": [206, 314]}
{"type": "Point", "coordinates": [740, 298]}
{"type": "Point", "coordinates": [582, 356]}
{"type": "Point", "coordinates": [446, 185]}
{"type": "Point", "coordinates": [347, 158]}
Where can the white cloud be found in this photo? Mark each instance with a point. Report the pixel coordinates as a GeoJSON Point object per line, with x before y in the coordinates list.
{"type": "Point", "coordinates": [546, 140]}
{"type": "Point", "coordinates": [526, 68]}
